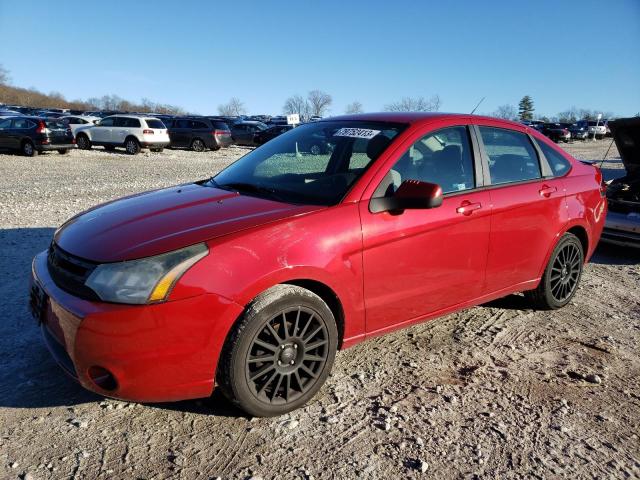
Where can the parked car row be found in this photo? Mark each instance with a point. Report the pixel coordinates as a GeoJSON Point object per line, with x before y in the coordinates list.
{"type": "Point", "coordinates": [580, 130]}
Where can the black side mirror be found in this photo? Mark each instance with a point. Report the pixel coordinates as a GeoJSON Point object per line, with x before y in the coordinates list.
{"type": "Point", "coordinates": [412, 194]}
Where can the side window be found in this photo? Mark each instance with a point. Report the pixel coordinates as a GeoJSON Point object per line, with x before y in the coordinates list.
{"type": "Point", "coordinates": [120, 122]}
{"type": "Point", "coordinates": [6, 123]}
{"type": "Point", "coordinates": [132, 123]}
{"type": "Point", "coordinates": [512, 157]}
{"type": "Point", "coordinates": [20, 123]}
{"type": "Point", "coordinates": [444, 157]}
{"type": "Point", "coordinates": [559, 165]}
{"type": "Point", "coordinates": [106, 122]}
{"type": "Point", "coordinates": [199, 125]}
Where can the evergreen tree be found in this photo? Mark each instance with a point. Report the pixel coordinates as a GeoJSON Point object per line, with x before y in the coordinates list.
{"type": "Point", "coordinates": [525, 108]}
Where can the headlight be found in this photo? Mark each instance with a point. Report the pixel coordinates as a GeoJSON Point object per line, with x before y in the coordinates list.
{"type": "Point", "coordinates": [146, 280]}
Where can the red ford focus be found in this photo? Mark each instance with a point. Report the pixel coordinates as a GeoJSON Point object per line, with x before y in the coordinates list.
{"type": "Point", "coordinates": [332, 233]}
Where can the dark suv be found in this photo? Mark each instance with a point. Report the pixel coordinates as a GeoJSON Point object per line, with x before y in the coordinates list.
{"type": "Point", "coordinates": [31, 135]}
{"type": "Point", "coordinates": [198, 134]}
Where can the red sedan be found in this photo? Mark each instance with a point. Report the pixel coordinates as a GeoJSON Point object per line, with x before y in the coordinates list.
{"type": "Point", "coordinates": [253, 279]}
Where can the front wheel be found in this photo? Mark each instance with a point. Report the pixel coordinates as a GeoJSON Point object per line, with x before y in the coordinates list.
{"type": "Point", "coordinates": [280, 352]}
{"type": "Point", "coordinates": [83, 142]}
{"type": "Point", "coordinates": [63, 151]}
{"type": "Point", "coordinates": [562, 275]}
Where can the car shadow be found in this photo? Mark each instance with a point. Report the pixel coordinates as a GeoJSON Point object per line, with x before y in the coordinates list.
{"type": "Point", "coordinates": [609, 254]}
{"type": "Point", "coordinates": [29, 377]}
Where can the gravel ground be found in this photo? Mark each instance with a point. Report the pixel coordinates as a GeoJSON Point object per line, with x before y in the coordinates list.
{"type": "Point", "coordinates": [498, 391]}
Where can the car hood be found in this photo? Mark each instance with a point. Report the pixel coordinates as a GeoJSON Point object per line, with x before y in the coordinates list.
{"type": "Point", "coordinates": [159, 221]}
{"type": "Point", "coordinates": [626, 133]}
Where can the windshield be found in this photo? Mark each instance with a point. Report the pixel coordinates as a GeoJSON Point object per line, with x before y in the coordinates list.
{"type": "Point", "coordinates": [315, 163]}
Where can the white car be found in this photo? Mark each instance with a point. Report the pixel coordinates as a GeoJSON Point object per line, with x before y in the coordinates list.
{"type": "Point", "coordinates": [133, 132]}
{"type": "Point", "coordinates": [77, 121]}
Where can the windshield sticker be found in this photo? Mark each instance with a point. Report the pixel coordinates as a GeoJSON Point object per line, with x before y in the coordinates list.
{"type": "Point", "coordinates": [356, 133]}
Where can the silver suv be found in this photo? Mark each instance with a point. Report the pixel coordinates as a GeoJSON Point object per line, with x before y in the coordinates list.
{"type": "Point", "coordinates": [133, 132]}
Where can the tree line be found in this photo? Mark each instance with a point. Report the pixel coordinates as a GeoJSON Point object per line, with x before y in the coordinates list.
{"type": "Point", "coordinates": [526, 111]}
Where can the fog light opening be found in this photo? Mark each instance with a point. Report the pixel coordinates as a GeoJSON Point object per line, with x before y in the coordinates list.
{"type": "Point", "coordinates": [103, 378]}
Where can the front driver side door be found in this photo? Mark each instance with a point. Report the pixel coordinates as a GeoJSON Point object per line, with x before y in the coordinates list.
{"type": "Point", "coordinates": [101, 133]}
{"type": "Point", "coordinates": [420, 262]}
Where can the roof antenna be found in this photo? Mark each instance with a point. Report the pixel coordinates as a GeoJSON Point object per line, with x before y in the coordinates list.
{"type": "Point", "coordinates": [481, 100]}
{"type": "Point", "coordinates": [605, 155]}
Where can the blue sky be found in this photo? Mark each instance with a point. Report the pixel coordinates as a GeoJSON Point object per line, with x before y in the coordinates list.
{"type": "Point", "coordinates": [197, 55]}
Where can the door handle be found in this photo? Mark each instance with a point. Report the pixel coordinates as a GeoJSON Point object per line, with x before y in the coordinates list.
{"type": "Point", "coordinates": [546, 191]}
{"type": "Point", "coordinates": [467, 208]}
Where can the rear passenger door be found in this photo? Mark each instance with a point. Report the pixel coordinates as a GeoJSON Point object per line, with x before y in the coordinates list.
{"type": "Point", "coordinates": [5, 127]}
{"type": "Point", "coordinates": [528, 206]}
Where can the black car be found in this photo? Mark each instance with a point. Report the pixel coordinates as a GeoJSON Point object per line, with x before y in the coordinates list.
{"type": "Point", "coordinates": [31, 135]}
{"type": "Point", "coordinates": [556, 132]}
{"type": "Point", "coordinates": [243, 133]}
{"type": "Point", "coordinates": [198, 133]}
{"type": "Point", "coordinates": [264, 136]}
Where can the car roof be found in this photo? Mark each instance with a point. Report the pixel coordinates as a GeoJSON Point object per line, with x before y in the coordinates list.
{"type": "Point", "coordinates": [416, 117]}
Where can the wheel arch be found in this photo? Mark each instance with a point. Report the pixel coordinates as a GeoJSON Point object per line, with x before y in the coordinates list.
{"type": "Point", "coordinates": [329, 296]}
{"type": "Point", "coordinates": [578, 229]}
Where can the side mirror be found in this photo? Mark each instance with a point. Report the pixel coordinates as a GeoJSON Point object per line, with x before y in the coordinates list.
{"type": "Point", "coordinates": [412, 194]}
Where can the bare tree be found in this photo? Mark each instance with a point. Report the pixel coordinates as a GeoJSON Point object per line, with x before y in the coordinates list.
{"type": "Point", "coordinates": [4, 75]}
{"type": "Point", "coordinates": [354, 107]}
{"type": "Point", "coordinates": [415, 104]}
{"type": "Point", "coordinates": [508, 112]}
{"type": "Point", "coordinates": [296, 104]}
{"type": "Point", "coordinates": [319, 102]}
{"type": "Point", "coordinates": [570, 115]}
{"type": "Point", "coordinates": [233, 108]}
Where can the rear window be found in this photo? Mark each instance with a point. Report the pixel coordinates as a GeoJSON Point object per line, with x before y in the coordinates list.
{"type": "Point", "coordinates": [220, 125]}
{"type": "Point", "coordinates": [55, 124]}
{"type": "Point", "coordinates": [557, 162]}
{"type": "Point", "coordinates": [154, 123]}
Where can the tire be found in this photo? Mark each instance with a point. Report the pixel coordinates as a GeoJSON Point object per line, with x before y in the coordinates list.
{"type": "Point", "coordinates": [132, 146]}
{"type": "Point", "coordinates": [157, 150]}
{"type": "Point", "coordinates": [261, 369]}
{"type": "Point", "coordinates": [83, 142]}
{"type": "Point", "coordinates": [28, 149]}
{"type": "Point", "coordinates": [198, 145]}
{"type": "Point", "coordinates": [561, 277]}
{"type": "Point", "coordinates": [63, 151]}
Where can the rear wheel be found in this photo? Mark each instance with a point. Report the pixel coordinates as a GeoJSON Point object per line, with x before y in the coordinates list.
{"type": "Point", "coordinates": [83, 142]}
{"type": "Point", "coordinates": [63, 151]}
{"type": "Point", "coordinates": [280, 353]}
{"type": "Point", "coordinates": [198, 145]}
{"type": "Point", "coordinates": [28, 149]}
{"type": "Point", "coordinates": [562, 275]}
{"type": "Point", "coordinates": [132, 146]}
{"type": "Point", "coordinates": [157, 150]}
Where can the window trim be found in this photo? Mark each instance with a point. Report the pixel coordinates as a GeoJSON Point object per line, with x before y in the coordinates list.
{"type": "Point", "coordinates": [542, 164]}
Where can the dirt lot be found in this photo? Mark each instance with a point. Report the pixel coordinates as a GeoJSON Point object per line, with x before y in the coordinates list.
{"type": "Point", "coordinates": [497, 391]}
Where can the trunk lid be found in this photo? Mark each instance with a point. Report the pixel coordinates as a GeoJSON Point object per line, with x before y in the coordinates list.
{"type": "Point", "coordinates": [626, 133]}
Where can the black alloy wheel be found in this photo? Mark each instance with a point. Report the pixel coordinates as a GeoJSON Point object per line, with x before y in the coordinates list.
{"type": "Point", "coordinates": [279, 353]}
{"type": "Point", "coordinates": [562, 275]}
{"type": "Point", "coordinates": [287, 355]}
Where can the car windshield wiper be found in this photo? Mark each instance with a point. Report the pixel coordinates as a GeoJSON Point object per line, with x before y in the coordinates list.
{"type": "Point", "coordinates": [250, 188]}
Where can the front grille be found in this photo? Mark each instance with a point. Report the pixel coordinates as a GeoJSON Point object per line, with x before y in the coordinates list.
{"type": "Point", "coordinates": [70, 272]}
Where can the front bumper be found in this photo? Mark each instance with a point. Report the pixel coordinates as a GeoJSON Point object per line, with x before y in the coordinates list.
{"type": "Point", "coordinates": [156, 353]}
{"type": "Point", "coordinates": [622, 229]}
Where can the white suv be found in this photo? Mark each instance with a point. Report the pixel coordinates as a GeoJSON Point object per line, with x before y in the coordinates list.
{"type": "Point", "coordinates": [132, 132]}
